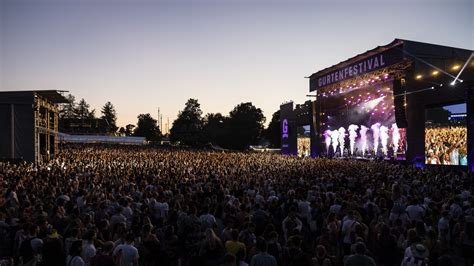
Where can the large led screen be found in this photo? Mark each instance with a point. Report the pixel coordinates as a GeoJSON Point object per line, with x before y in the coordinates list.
{"type": "Point", "coordinates": [446, 135]}
{"type": "Point", "coordinates": [360, 122]}
{"type": "Point", "coordinates": [304, 141]}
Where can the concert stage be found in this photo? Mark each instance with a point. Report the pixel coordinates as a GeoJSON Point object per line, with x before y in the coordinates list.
{"type": "Point", "coordinates": [403, 101]}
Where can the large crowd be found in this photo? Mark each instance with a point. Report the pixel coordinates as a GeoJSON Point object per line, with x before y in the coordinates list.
{"type": "Point", "coordinates": [110, 205]}
{"type": "Point", "coordinates": [446, 145]}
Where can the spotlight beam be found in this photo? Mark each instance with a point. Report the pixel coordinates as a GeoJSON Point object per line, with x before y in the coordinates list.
{"type": "Point", "coordinates": [431, 65]}
{"type": "Point", "coordinates": [412, 92]}
{"type": "Point", "coordinates": [462, 69]}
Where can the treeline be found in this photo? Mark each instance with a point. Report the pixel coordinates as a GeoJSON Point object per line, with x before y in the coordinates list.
{"type": "Point", "coordinates": [79, 114]}
{"type": "Point", "coordinates": [71, 112]}
{"type": "Point", "coordinates": [242, 127]}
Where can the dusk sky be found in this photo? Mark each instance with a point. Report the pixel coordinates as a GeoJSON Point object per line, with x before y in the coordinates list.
{"type": "Point", "coordinates": [141, 55]}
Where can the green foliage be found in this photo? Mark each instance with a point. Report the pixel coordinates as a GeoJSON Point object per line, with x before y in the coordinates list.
{"type": "Point", "coordinates": [129, 129]}
{"type": "Point", "coordinates": [187, 128]}
{"type": "Point", "coordinates": [147, 127]}
{"type": "Point", "coordinates": [215, 129]}
{"type": "Point", "coordinates": [110, 116]}
{"type": "Point", "coordinates": [272, 133]}
{"type": "Point", "coordinates": [245, 126]}
{"type": "Point", "coordinates": [82, 110]}
{"type": "Point", "coordinates": [68, 110]}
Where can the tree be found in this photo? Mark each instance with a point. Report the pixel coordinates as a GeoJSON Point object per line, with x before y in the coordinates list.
{"type": "Point", "coordinates": [272, 133]}
{"type": "Point", "coordinates": [129, 129]}
{"type": "Point", "coordinates": [245, 125]}
{"type": "Point", "coordinates": [147, 127]}
{"type": "Point", "coordinates": [110, 116]}
{"type": "Point", "coordinates": [82, 110]}
{"type": "Point", "coordinates": [68, 110]}
{"type": "Point", "coordinates": [122, 131]}
{"type": "Point", "coordinates": [215, 129]}
{"type": "Point", "coordinates": [187, 128]}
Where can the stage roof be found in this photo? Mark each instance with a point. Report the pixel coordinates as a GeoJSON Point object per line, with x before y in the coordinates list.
{"type": "Point", "coordinates": [356, 58]}
{"type": "Point", "coordinates": [54, 96]}
{"type": "Point", "coordinates": [422, 53]}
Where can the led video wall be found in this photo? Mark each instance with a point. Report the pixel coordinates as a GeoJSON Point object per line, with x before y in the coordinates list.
{"type": "Point", "coordinates": [446, 135]}
{"type": "Point", "coordinates": [303, 141]}
{"type": "Point", "coordinates": [360, 122]}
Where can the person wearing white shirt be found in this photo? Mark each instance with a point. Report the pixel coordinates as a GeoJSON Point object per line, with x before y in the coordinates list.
{"type": "Point", "coordinates": [415, 212]}
{"type": "Point", "coordinates": [335, 208]}
{"type": "Point", "coordinates": [207, 220]}
{"type": "Point", "coordinates": [88, 248]}
{"type": "Point", "coordinates": [348, 226]}
{"type": "Point", "coordinates": [455, 209]}
{"type": "Point", "coordinates": [118, 217]}
{"type": "Point", "coordinates": [126, 253]}
{"type": "Point", "coordinates": [443, 228]}
{"type": "Point", "coordinates": [127, 211]}
{"type": "Point", "coordinates": [74, 257]}
{"type": "Point", "coordinates": [161, 210]}
{"type": "Point", "coordinates": [304, 210]}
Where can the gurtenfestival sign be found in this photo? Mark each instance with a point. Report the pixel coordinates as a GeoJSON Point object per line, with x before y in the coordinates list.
{"type": "Point", "coordinates": [284, 129]}
{"type": "Point", "coordinates": [378, 61]}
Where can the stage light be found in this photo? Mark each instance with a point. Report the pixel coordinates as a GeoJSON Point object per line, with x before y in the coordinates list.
{"type": "Point", "coordinates": [456, 67]}
{"type": "Point", "coordinates": [419, 77]}
{"type": "Point", "coordinates": [434, 73]}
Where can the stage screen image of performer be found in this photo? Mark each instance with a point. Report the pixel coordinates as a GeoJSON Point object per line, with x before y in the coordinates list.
{"type": "Point", "coordinates": [360, 122]}
{"type": "Point", "coordinates": [446, 135]}
{"type": "Point", "coordinates": [304, 141]}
